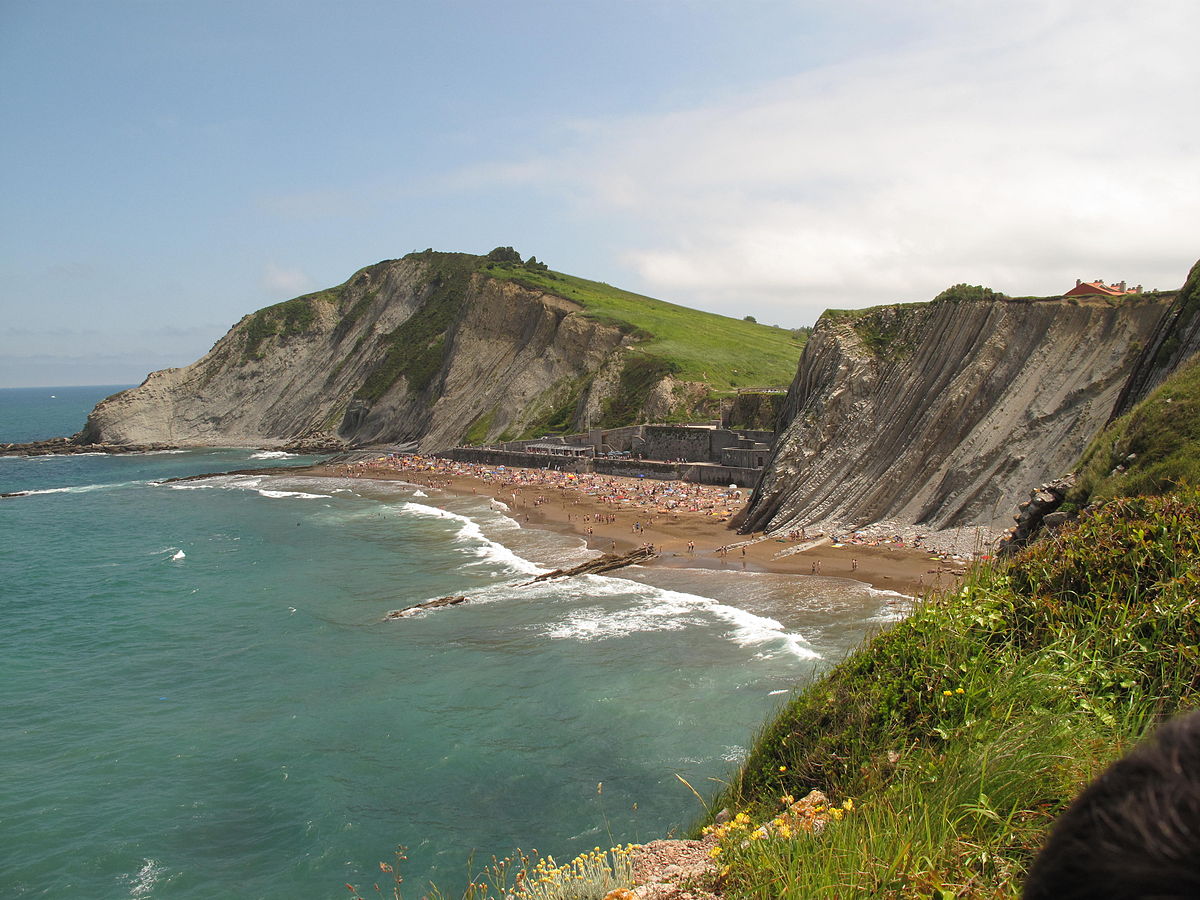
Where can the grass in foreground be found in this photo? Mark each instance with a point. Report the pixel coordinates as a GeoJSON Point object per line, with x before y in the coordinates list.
{"type": "Point", "coordinates": [959, 734]}
{"type": "Point", "coordinates": [528, 876]}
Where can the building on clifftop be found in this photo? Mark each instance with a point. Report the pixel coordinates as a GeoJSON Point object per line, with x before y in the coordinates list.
{"type": "Point", "coordinates": [1098, 288]}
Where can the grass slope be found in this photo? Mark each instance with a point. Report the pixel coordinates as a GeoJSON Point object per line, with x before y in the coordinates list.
{"type": "Point", "coordinates": [1155, 444]}
{"type": "Point", "coordinates": [726, 353]}
{"type": "Point", "coordinates": [961, 732]}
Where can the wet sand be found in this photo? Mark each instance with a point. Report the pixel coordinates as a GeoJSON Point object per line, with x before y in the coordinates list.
{"type": "Point", "coordinates": [620, 514]}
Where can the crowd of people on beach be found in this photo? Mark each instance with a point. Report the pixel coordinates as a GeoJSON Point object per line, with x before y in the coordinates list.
{"type": "Point", "coordinates": [651, 501]}
{"type": "Point", "coordinates": [654, 496]}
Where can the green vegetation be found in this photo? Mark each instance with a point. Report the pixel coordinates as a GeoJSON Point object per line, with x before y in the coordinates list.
{"type": "Point", "coordinates": [417, 349]}
{"type": "Point", "coordinates": [882, 329]}
{"type": "Point", "coordinates": [558, 412]}
{"type": "Point", "coordinates": [478, 432]}
{"type": "Point", "coordinates": [958, 734]}
{"type": "Point", "coordinates": [356, 312]}
{"type": "Point", "coordinates": [529, 876]}
{"type": "Point", "coordinates": [756, 410]}
{"type": "Point", "coordinates": [968, 293]}
{"type": "Point", "coordinates": [723, 352]}
{"type": "Point", "coordinates": [284, 320]}
{"type": "Point", "coordinates": [1154, 445]}
{"type": "Point", "coordinates": [638, 376]}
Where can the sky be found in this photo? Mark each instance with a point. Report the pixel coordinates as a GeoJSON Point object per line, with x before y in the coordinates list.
{"type": "Point", "coordinates": [172, 165]}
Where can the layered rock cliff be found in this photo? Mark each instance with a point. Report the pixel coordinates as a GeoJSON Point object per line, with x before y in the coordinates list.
{"type": "Point", "coordinates": [1175, 340]}
{"type": "Point", "coordinates": [421, 349]}
{"type": "Point", "coordinates": [943, 414]}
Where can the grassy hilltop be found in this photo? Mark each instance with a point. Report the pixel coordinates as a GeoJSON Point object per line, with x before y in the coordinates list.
{"type": "Point", "coordinates": [725, 353]}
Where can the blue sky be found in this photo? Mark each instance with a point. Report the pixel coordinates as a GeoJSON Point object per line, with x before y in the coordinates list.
{"type": "Point", "coordinates": [170, 166]}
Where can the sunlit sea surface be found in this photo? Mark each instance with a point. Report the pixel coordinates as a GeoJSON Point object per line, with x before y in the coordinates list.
{"type": "Point", "coordinates": [200, 698]}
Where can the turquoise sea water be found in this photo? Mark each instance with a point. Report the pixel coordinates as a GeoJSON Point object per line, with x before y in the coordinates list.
{"type": "Point", "coordinates": [199, 698]}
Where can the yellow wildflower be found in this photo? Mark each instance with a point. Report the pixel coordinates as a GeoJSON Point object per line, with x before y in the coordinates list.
{"type": "Point", "coordinates": [959, 691]}
{"type": "Point", "coordinates": [947, 693]}
{"type": "Point", "coordinates": [714, 852]}
{"type": "Point", "coordinates": [783, 768]}
{"type": "Point", "coordinates": [848, 804]}
{"type": "Point", "coordinates": [836, 813]}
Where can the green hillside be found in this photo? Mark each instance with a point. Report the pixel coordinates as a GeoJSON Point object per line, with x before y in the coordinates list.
{"type": "Point", "coordinates": [1150, 449]}
{"type": "Point", "coordinates": [726, 353]}
{"type": "Point", "coordinates": [948, 744]}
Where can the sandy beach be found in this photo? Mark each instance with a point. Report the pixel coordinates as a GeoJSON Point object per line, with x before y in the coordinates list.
{"type": "Point", "coordinates": [689, 525]}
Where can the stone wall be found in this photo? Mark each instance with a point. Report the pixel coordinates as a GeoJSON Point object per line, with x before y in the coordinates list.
{"type": "Point", "coordinates": [484, 457]}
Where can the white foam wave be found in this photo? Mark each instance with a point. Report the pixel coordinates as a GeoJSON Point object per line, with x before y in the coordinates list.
{"type": "Point", "coordinates": [890, 595]}
{"type": "Point", "coordinates": [419, 493]}
{"type": "Point", "coordinates": [79, 488]}
{"type": "Point", "coordinates": [659, 609]}
{"type": "Point", "coordinates": [300, 495]}
{"type": "Point", "coordinates": [478, 544]}
{"type": "Point", "coordinates": [273, 454]}
{"type": "Point", "coordinates": [236, 482]}
{"type": "Point", "coordinates": [142, 884]}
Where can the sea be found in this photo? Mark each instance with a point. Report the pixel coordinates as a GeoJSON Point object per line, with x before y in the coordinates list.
{"type": "Point", "coordinates": [200, 696]}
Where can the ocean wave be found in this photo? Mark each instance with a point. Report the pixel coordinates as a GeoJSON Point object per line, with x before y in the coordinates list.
{"type": "Point", "coordinates": [888, 594]}
{"type": "Point", "coordinates": [45, 456]}
{"type": "Point", "coordinates": [229, 482]}
{"type": "Point", "coordinates": [300, 495]}
{"type": "Point", "coordinates": [77, 488]}
{"type": "Point", "coordinates": [660, 609]}
{"type": "Point", "coordinates": [142, 883]}
{"type": "Point", "coordinates": [479, 544]}
{"type": "Point", "coordinates": [273, 454]}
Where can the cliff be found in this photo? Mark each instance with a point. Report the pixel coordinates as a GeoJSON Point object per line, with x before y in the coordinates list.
{"type": "Point", "coordinates": [1175, 340]}
{"type": "Point", "coordinates": [942, 414]}
{"type": "Point", "coordinates": [431, 349]}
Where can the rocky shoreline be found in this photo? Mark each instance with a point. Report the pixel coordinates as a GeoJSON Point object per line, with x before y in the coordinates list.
{"type": "Point", "coordinates": [66, 446]}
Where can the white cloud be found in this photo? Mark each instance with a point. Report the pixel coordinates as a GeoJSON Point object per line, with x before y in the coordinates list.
{"type": "Point", "coordinates": [1019, 145]}
{"type": "Point", "coordinates": [278, 280]}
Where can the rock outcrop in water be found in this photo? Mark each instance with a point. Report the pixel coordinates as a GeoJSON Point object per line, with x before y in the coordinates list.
{"type": "Point", "coordinates": [943, 414]}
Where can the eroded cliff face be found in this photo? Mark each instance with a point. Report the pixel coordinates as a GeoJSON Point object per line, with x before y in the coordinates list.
{"type": "Point", "coordinates": [420, 349]}
{"type": "Point", "coordinates": [943, 414]}
{"type": "Point", "coordinates": [1175, 340]}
